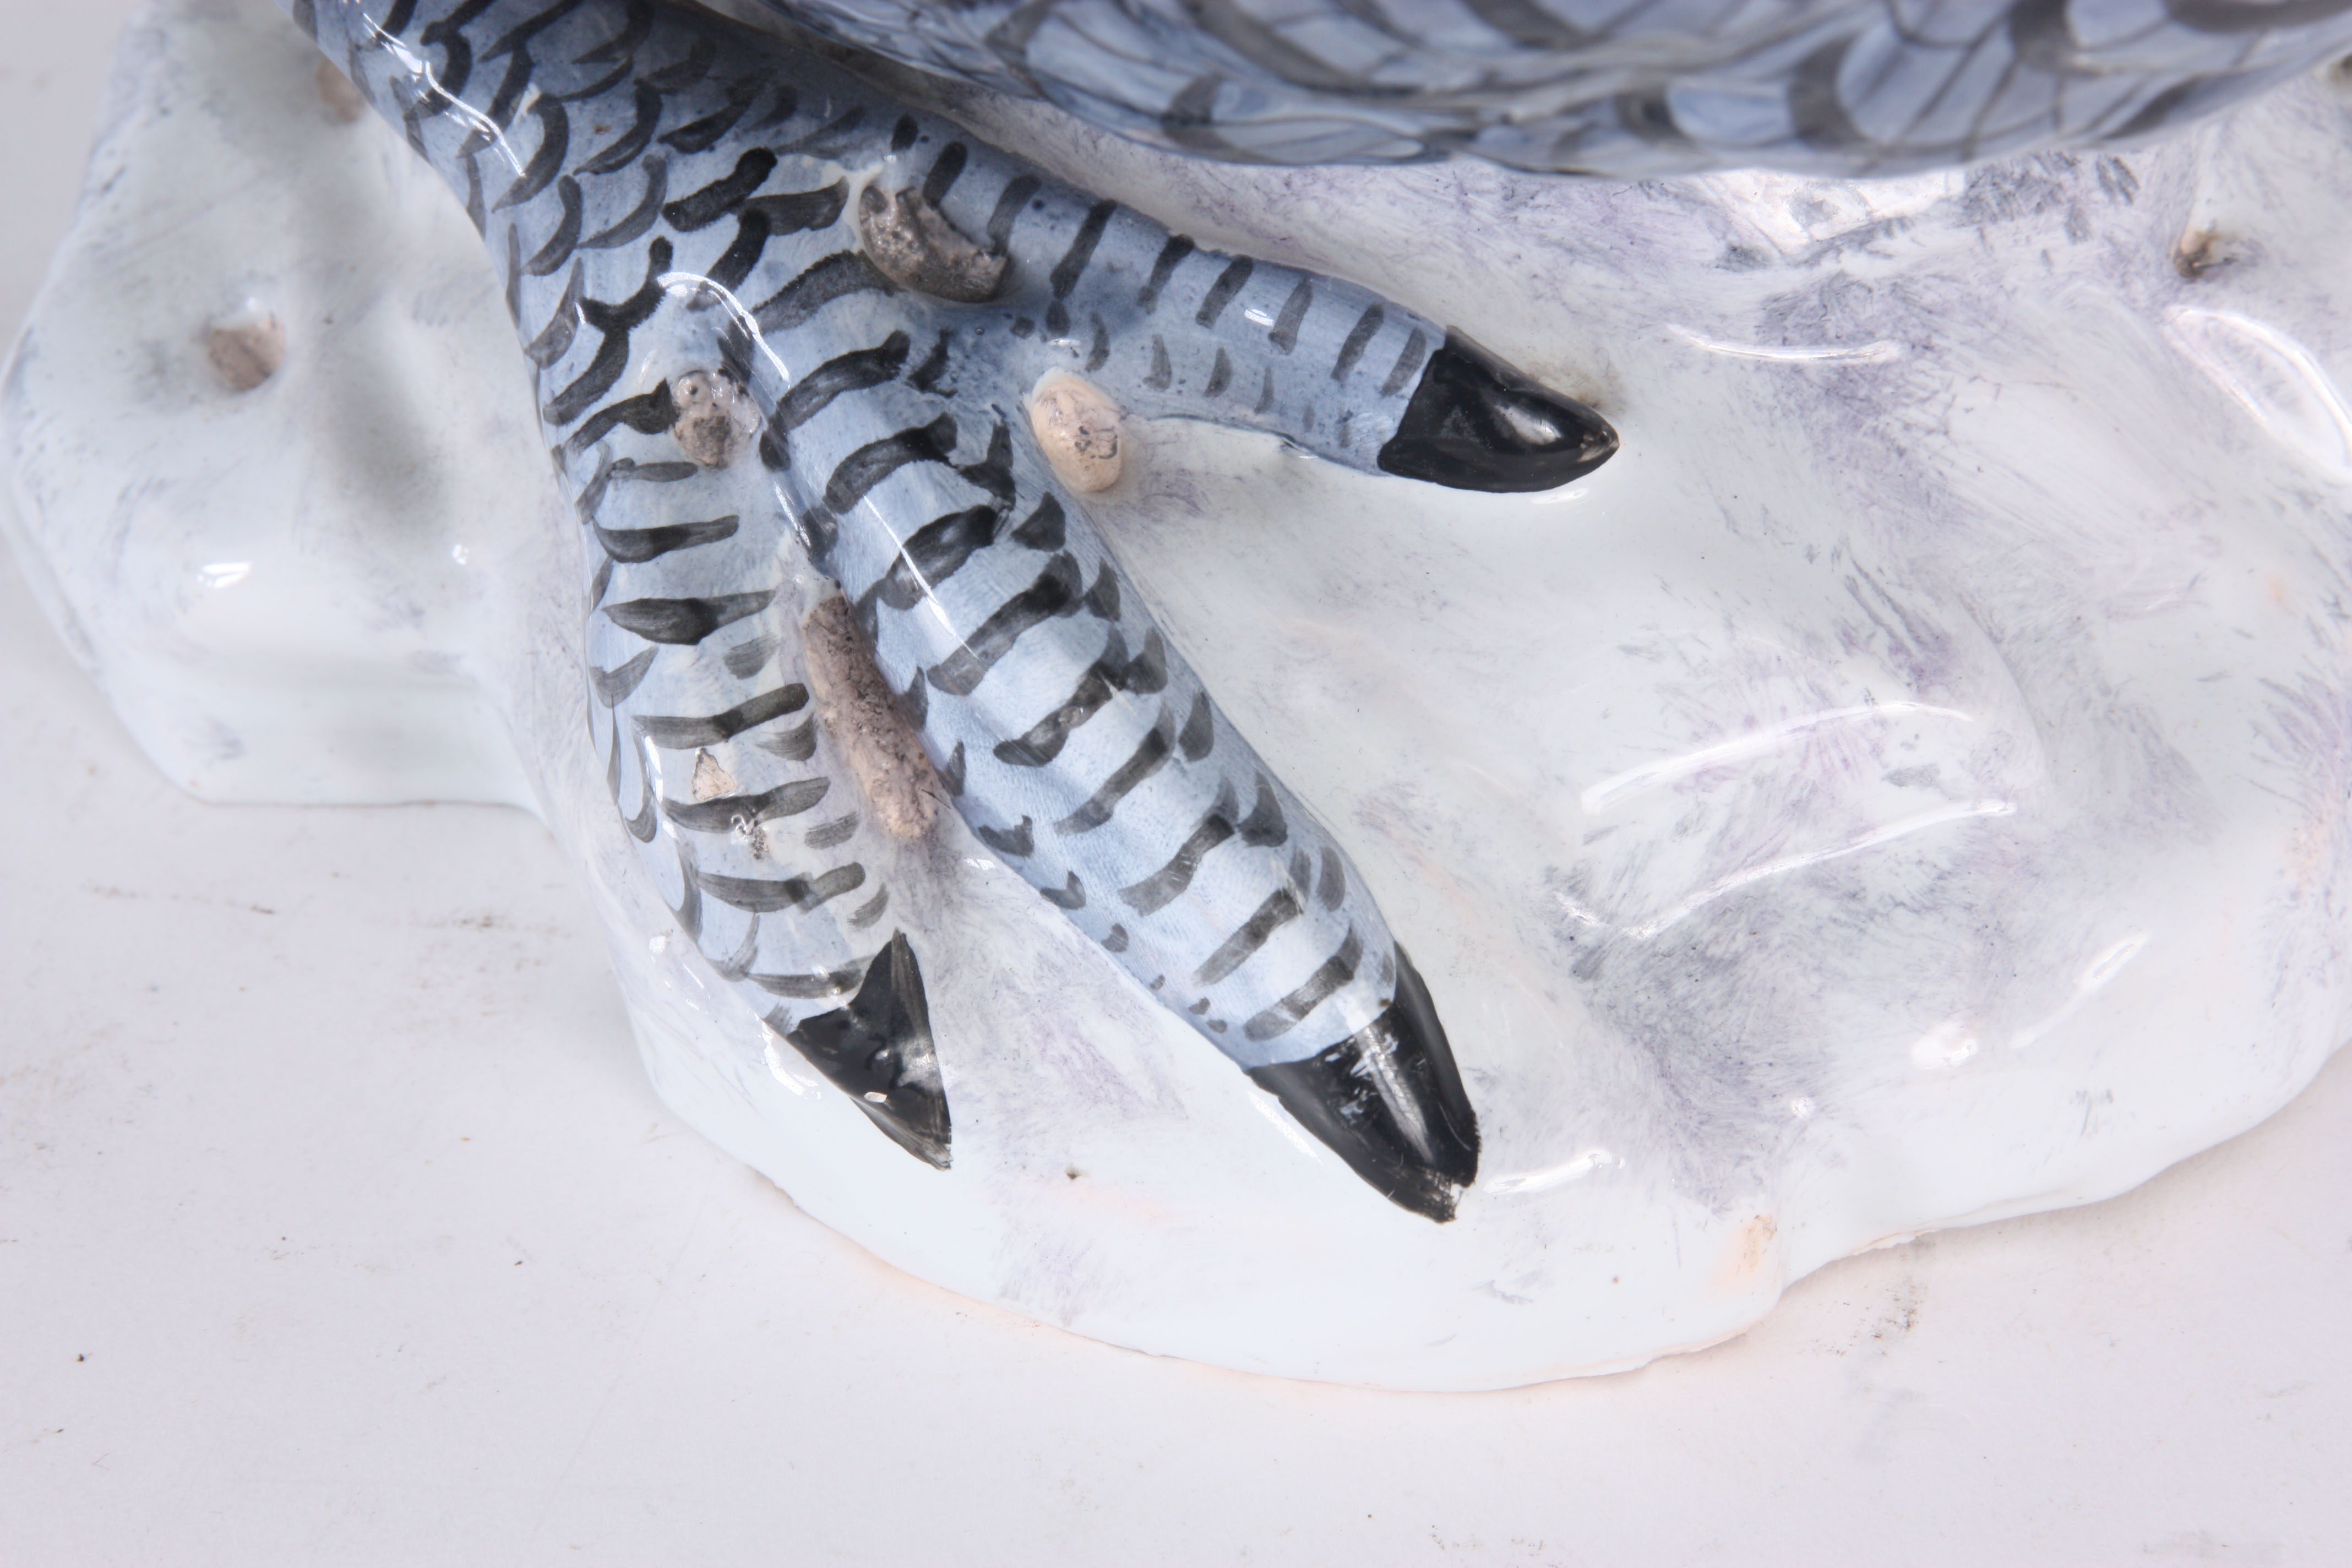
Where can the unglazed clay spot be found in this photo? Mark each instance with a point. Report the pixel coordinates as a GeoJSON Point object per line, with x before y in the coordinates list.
{"type": "Point", "coordinates": [335, 91]}
{"type": "Point", "coordinates": [912, 243]}
{"type": "Point", "coordinates": [715, 418]}
{"type": "Point", "coordinates": [711, 781]}
{"type": "Point", "coordinates": [856, 708]}
{"type": "Point", "coordinates": [1078, 425]}
{"type": "Point", "coordinates": [246, 350]}
{"type": "Point", "coordinates": [2204, 251]}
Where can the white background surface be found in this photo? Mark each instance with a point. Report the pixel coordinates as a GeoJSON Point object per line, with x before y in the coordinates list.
{"type": "Point", "coordinates": [337, 1223]}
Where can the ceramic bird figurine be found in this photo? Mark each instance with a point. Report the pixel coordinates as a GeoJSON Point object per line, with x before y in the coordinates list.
{"type": "Point", "coordinates": [773, 316]}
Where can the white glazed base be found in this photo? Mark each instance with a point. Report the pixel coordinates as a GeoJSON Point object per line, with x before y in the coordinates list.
{"type": "Point", "coordinates": [1964, 594]}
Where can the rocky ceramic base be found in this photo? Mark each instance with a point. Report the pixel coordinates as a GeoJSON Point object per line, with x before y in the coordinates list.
{"type": "Point", "coordinates": [1906, 786]}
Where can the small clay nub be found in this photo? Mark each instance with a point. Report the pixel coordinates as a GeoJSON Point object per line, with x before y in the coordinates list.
{"type": "Point", "coordinates": [1077, 426]}
{"type": "Point", "coordinates": [912, 243]}
{"type": "Point", "coordinates": [860, 712]}
{"type": "Point", "coordinates": [716, 417]}
{"type": "Point", "coordinates": [2200, 251]}
{"type": "Point", "coordinates": [711, 781]}
{"type": "Point", "coordinates": [335, 91]}
{"type": "Point", "coordinates": [246, 350]}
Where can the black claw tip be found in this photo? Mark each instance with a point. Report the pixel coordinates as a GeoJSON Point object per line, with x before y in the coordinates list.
{"type": "Point", "coordinates": [1475, 424]}
{"type": "Point", "coordinates": [878, 1050]}
{"type": "Point", "coordinates": [1389, 1101]}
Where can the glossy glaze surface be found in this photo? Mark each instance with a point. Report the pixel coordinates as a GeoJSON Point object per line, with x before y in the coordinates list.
{"type": "Point", "coordinates": [777, 489]}
{"type": "Point", "coordinates": [1897, 789]}
{"type": "Point", "coordinates": [1843, 87]}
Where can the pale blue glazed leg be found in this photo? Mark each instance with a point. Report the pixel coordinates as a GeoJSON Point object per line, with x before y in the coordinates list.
{"type": "Point", "coordinates": [689, 215]}
{"type": "Point", "coordinates": [1624, 87]}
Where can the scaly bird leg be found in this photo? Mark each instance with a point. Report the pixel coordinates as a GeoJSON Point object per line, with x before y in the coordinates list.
{"type": "Point", "coordinates": [772, 313]}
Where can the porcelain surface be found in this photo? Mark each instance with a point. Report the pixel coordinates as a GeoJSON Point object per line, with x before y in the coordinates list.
{"type": "Point", "coordinates": [1904, 786]}
{"type": "Point", "coordinates": [833, 587]}
{"type": "Point", "coordinates": [1839, 87]}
